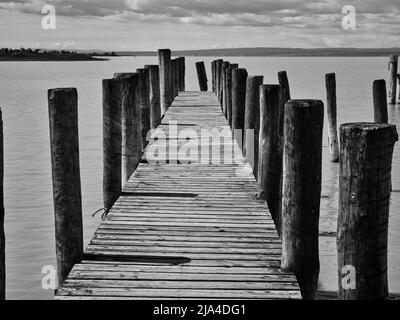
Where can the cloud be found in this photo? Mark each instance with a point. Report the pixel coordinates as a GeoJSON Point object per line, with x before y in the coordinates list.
{"type": "Point", "coordinates": [235, 13]}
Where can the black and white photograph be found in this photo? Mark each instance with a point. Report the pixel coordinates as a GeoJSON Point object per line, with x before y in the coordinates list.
{"type": "Point", "coordinates": [197, 155]}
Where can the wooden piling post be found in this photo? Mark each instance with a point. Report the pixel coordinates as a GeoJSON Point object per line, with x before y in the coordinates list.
{"type": "Point", "coordinates": [144, 103]}
{"type": "Point", "coordinates": [174, 76]}
{"type": "Point", "coordinates": [218, 77]}
{"type": "Point", "coordinates": [225, 66]}
{"type": "Point", "coordinates": [380, 101]}
{"type": "Point", "coordinates": [284, 83]}
{"type": "Point", "coordinates": [303, 126]}
{"type": "Point", "coordinates": [239, 79]}
{"type": "Point", "coordinates": [130, 125]}
{"type": "Point", "coordinates": [366, 151]}
{"type": "Point", "coordinates": [213, 75]}
{"type": "Point", "coordinates": [393, 67]}
{"type": "Point", "coordinates": [331, 106]}
{"type": "Point", "coordinates": [252, 121]}
{"type": "Point", "coordinates": [164, 62]}
{"type": "Point", "coordinates": [183, 74]}
{"type": "Point", "coordinates": [270, 159]}
{"type": "Point", "coordinates": [228, 84]}
{"type": "Point", "coordinates": [155, 105]}
{"type": "Point", "coordinates": [2, 234]}
{"type": "Point", "coordinates": [202, 76]}
{"type": "Point", "coordinates": [112, 141]}
{"type": "Point", "coordinates": [64, 146]}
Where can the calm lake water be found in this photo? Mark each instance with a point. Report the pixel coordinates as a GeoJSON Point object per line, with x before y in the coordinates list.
{"type": "Point", "coordinates": [28, 188]}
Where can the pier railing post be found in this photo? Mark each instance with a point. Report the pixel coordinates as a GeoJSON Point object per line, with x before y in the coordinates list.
{"type": "Point", "coordinates": [2, 234]}
{"type": "Point", "coordinates": [64, 145]}
{"type": "Point", "coordinates": [183, 73]}
{"type": "Point", "coordinates": [174, 73]}
{"type": "Point", "coordinates": [228, 83]}
{"type": "Point", "coordinates": [144, 103]}
{"type": "Point", "coordinates": [303, 126]}
{"type": "Point", "coordinates": [252, 121]}
{"type": "Point", "coordinates": [380, 101]}
{"type": "Point", "coordinates": [225, 66]}
{"type": "Point", "coordinates": [202, 76]}
{"type": "Point", "coordinates": [155, 102]}
{"type": "Point", "coordinates": [331, 106]}
{"type": "Point", "coordinates": [239, 79]}
{"type": "Point", "coordinates": [164, 58]}
{"type": "Point", "coordinates": [366, 151]}
{"type": "Point", "coordinates": [112, 141]}
{"type": "Point", "coordinates": [270, 151]}
{"type": "Point", "coordinates": [130, 123]}
{"type": "Point", "coordinates": [393, 67]}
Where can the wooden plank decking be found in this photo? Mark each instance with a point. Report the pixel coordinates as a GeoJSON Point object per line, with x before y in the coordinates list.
{"type": "Point", "coordinates": [185, 230]}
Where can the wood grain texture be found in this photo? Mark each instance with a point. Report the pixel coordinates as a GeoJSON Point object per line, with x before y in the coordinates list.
{"type": "Point", "coordinates": [393, 69]}
{"type": "Point", "coordinates": [380, 101]}
{"type": "Point", "coordinates": [164, 62]}
{"type": "Point", "coordinates": [364, 197]}
{"type": "Point", "coordinates": [155, 102]}
{"type": "Point", "coordinates": [331, 106]}
{"type": "Point", "coordinates": [182, 231]}
{"type": "Point", "coordinates": [302, 192]}
{"type": "Point", "coordinates": [64, 145]}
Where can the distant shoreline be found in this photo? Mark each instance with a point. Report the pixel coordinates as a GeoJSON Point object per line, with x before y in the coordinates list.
{"type": "Point", "coordinates": [273, 52]}
{"type": "Point", "coordinates": [28, 54]}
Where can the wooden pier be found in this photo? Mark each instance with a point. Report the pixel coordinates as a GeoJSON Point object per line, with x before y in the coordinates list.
{"type": "Point", "coordinates": [186, 230]}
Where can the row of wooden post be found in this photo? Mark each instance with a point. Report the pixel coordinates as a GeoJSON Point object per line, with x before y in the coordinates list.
{"type": "Point", "coordinates": [133, 104]}
{"type": "Point", "coordinates": [288, 167]}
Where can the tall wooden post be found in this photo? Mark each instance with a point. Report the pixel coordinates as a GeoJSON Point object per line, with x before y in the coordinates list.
{"type": "Point", "coordinates": [130, 125]}
{"type": "Point", "coordinates": [144, 103]}
{"type": "Point", "coordinates": [155, 105]}
{"type": "Point", "coordinates": [228, 83]}
{"type": "Point", "coordinates": [112, 141]}
{"type": "Point", "coordinates": [164, 62]}
{"type": "Point", "coordinates": [366, 151]}
{"type": "Point", "coordinates": [183, 73]}
{"type": "Point", "coordinates": [239, 79]}
{"type": "Point", "coordinates": [302, 192]}
{"type": "Point", "coordinates": [64, 146]}
{"type": "Point", "coordinates": [174, 76]}
{"type": "Point", "coordinates": [393, 67]}
{"type": "Point", "coordinates": [225, 66]}
{"type": "Point", "coordinates": [202, 76]}
{"type": "Point", "coordinates": [271, 151]}
{"type": "Point", "coordinates": [380, 101]}
{"type": "Point", "coordinates": [252, 121]}
{"type": "Point", "coordinates": [2, 234]}
{"type": "Point", "coordinates": [284, 83]}
{"type": "Point", "coordinates": [218, 77]}
{"type": "Point", "coordinates": [213, 75]}
{"type": "Point", "coordinates": [331, 106]}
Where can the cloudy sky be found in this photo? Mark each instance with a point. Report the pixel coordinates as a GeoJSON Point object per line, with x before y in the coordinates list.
{"type": "Point", "coordinates": [198, 24]}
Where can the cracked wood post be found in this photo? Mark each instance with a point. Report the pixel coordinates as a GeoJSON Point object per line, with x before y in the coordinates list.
{"type": "Point", "coordinates": [225, 66]}
{"type": "Point", "coordinates": [380, 101]}
{"type": "Point", "coordinates": [112, 141]}
{"type": "Point", "coordinates": [164, 62]}
{"type": "Point", "coordinates": [155, 105]}
{"type": "Point", "coordinates": [331, 106]}
{"type": "Point", "coordinates": [393, 67]}
{"type": "Point", "coordinates": [2, 235]}
{"type": "Point", "coordinates": [130, 125]}
{"type": "Point", "coordinates": [228, 84]}
{"type": "Point", "coordinates": [252, 121]}
{"type": "Point", "coordinates": [202, 76]}
{"type": "Point", "coordinates": [239, 79]}
{"type": "Point", "coordinates": [64, 146]}
{"type": "Point", "coordinates": [143, 97]}
{"type": "Point", "coordinates": [366, 151]}
{"type": "Point", "coordinates": [270, 151]}
{"type": "Point", "coordinates": [303, 126]}
{"type": "Point", "coordinates": [174, 77]}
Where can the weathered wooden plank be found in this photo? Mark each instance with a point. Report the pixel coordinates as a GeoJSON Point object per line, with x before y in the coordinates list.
{"type": "Point", "coordinates": [186, 230]}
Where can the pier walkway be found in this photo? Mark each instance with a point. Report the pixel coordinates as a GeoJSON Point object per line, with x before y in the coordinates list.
{"type": "Point", "coordinates": [185, 230]}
